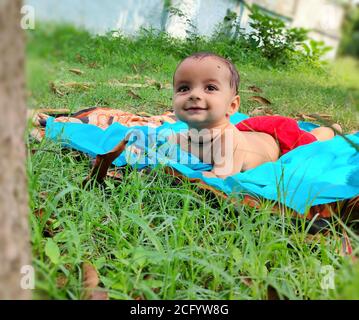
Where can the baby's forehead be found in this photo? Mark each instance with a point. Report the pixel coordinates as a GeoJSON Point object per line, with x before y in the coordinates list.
{"type": "Point", "coordinates": [207, 60]}
{"type": "Point", "coordinates": [207, 64]}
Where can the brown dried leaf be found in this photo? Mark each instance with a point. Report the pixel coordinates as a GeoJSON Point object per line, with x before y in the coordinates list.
{"type": "Point", "coordinates": [132, 77]}
{"type": "Point", "coordinates": [254, 89]}
{"type": "Point", "coordinates": [55, 90]}
{"type": "Point", "coordinates": [261, 111]}
{"type": "Point", "coordinates": [43, 195]}
{"type": "Point", "coordinates": [346, 248]}
{"type": "Point", "coordinates": [79, 58]}
{"type": "Point", "coordinates": [116, 83]}
{"type": "Point", "coordinates": [90, 284]}
{"type": "Point", "coordinates": [93, 65]}
{"type": "Point", "coordinates": [90, 276]}
{"type": "Point", "coordinates": [260, 100]}
{"type": "Point", "coordinates": [61, 281]}
{"type": "Point", "coordinates": [76, 71]}
{"type": "Point", "coordinates": [324, 116]}
{"type": "Point", "coordinates": [63, 88]}
{"type": "Point", "coordinates": [114, 174]}
{"type": "Point", "coordinates": [154, 83]}
{"type": "Point", "coordinates": [247, 281]}
{"type": "Point", "coordinates": [313, 238]}
{"type": "Point", "coordinates": [39, 213]}
{"type": "Point", "coordinates": [133, 95]}
{"type": "Point", "coordinates": [272, 293]}
{"type": "Point", "coordinates": [77, 85]}
{"type": "Point", "coordinates": [98, 294]}
{"type": "Point", "coordinates": [314, 116]}
{"type": "Point", "coordinates": [302, 116]}
{"type": "Point", "coordinates": [163, 106]}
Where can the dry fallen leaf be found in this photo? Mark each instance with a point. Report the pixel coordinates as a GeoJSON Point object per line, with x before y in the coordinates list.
{"type": "Point", "coordinates": [260, 100]}
{"type": "Point", "coordinates": [62, 88]}
{"type": "Point", "coordinates": [61, 281]}
{"type": "Point", "coordinates": [247, 281]}
{"type": "Point", "coordinates": [272, 293]}
{"type": "Point", "coordinates": [79, 58]}
{"type": "Point", "coordinates": [323, 115]}
{"type": "Point", "coordinates": [314, 116]}
{"type": "Point", "coordinates": [39, 212]}
{"type": "Point", "coordinates": [132, 77]}
{"type": "Point", "coordinates": [149, 83]}
{"type": "Point", "coordinates": [154, 83]}
{"type": "Point", "coordinates": [116, 175]}
{"type": "Point", "coordinates": [116, 83]}
{"type": "Point", "coordinates": [164, 106]}
{"type": "Point", "coordinates": [43, 195]}
{"type": "Point", "coordinates": [99, 294]}
{"type": "Point", "coordinates": [76, 71]}
{"type": "Point", "coordinates": [302, 116]}
{"type": "Point", "coordinates": [261, 111]}
{"type": "Point", "coordinates": [254, 89]}
{"type": "Point", "coordinates": [77, 85]}
{"type": "Point", "coordinates": [55, 90]}
{"type": "Point", "coordinates": [93, 65]}
{"type": "Point", "coordinates": [90, 277]}
{"type": "Point", "coordinates": [90, 283]}
{"type": "Point", "coordinates": [133, 95]}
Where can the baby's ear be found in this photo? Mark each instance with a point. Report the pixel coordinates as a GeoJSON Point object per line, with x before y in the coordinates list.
{"type": "Point", "coordinates": [236, 101]}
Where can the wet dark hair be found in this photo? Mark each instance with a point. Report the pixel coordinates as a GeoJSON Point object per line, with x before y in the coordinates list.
{"type": "Point", "coordinates": [235, 77]}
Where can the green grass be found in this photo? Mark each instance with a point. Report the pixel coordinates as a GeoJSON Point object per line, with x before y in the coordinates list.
{"type": "Point", "coordinates": [152, 239]}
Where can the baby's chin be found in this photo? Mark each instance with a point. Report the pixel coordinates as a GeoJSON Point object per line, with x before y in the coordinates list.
{"type": "Point", "coordinates": [199, 124]}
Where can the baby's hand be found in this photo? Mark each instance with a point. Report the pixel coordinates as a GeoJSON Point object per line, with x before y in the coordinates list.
{"type": "Point", "coordinates": [209, 174]}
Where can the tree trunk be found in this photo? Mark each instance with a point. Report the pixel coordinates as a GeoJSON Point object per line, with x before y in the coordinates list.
{"type": "Point", "coordinates": [14, 230]}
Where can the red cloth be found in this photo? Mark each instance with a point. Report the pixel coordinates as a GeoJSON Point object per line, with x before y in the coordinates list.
{"type": "Point", "coordinates": [284, 130]}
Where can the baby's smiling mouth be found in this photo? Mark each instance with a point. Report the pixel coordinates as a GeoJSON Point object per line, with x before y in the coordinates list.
{"type": "Point", "coordinates": [195, 108]}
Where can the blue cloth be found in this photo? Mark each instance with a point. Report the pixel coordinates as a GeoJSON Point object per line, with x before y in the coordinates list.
{"type": "Point", "coordinates": [317, 173]}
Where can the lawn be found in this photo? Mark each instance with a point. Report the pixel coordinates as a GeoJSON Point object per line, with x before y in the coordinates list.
{"type": "Point", "coordinates": [147, 237]}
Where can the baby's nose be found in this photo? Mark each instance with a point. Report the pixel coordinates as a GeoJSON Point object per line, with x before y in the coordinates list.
{"type": "Point", "coordinates": [195, 94]}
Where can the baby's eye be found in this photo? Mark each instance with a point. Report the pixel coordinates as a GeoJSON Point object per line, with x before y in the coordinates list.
{"type": "Point", "coordinates": [211, 87]}
{"type": "Point", "coordinates": [183, 89]}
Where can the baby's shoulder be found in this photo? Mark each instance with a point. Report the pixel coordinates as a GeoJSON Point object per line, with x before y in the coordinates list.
{"type": "Point", "coordinates": [233, 134]}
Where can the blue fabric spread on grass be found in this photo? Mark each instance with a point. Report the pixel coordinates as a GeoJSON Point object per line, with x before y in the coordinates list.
{"type": "Point", "coordinates": [318, 173]}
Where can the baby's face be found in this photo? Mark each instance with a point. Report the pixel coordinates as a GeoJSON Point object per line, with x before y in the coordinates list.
{"type": "Point", "coordinates": [202, 95]}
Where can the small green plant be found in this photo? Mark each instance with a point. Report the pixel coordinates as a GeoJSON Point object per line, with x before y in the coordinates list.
{"type": "Point", "coordinates": [272, 38]}
{"type": "Point", "coordinates": [314, 51]}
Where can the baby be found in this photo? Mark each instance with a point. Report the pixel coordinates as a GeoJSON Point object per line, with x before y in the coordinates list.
{"type": "Point", "coordinates": [205, 96]}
